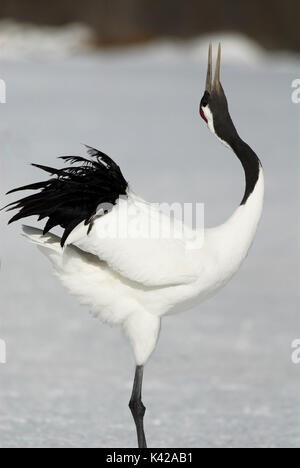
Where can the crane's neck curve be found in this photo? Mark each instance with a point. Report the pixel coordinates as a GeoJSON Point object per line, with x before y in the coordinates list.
{"type": "Point", "coordinates": [232, 240]}
{"type": "Point", "coordinates": [250, 162]}
{"type": "Point", "coordinates": [226, 132]}
{"type": "Point", "coordinates": [242, 225]}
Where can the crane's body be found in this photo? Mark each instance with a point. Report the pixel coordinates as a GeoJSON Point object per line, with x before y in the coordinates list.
{"type": "Point", "coordinates": [118, 288]}
{"type": "Point", "coordinates": [134, 282]}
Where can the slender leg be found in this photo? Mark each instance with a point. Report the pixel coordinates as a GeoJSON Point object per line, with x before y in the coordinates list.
{"type": "Point", "coordinates": [136, 406]}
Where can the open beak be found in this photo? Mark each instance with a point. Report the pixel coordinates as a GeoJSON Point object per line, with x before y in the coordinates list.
{"type": "Point", "coordinates": [209, 85]}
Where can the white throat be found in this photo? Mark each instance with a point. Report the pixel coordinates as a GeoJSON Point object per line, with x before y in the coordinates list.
{"type": "Point", "coordinates": [210, 124]}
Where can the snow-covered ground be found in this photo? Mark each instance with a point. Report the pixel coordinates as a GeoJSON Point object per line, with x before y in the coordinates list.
{"type": "Point", "coordinates": [222, 374]}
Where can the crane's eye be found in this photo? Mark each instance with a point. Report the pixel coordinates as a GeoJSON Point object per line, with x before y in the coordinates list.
{"type": "Point", "coordinates": [205, 98]}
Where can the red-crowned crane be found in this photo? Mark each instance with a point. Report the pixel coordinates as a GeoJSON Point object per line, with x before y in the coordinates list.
{"type": "Point", "coordinates": [135, 281]}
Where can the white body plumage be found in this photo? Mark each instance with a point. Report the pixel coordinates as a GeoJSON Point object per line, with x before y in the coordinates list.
{"type": "Point", "coordinates": [135, 282]}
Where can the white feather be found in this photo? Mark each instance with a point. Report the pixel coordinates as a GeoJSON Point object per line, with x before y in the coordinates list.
{"type": "Point", "coordinates": [141, 243]}
{"type": "Point", "coordinates": [134, 282]}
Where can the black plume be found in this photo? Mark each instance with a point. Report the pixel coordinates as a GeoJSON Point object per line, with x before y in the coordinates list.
{"type": "Point", "coordinates": [73, 193]}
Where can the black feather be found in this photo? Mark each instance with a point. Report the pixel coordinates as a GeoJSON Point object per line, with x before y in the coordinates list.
{"type": "Point", "coordinates": [36, 186]}
{"type": "Point", "coordinates": [73, 193]}
{"type": "Point", "coordinates": [51, 170]}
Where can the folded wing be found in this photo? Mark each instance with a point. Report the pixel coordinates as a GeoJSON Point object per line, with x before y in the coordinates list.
{"type": "Point", "coordinates": [141, 243]}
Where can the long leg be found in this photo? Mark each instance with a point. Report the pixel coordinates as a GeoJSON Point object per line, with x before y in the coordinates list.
{"type": "Point", "coordinates": [136, 406]}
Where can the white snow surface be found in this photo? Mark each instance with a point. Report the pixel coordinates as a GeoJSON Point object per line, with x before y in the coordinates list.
{"type": "Point", "coordinates": [222, 374]}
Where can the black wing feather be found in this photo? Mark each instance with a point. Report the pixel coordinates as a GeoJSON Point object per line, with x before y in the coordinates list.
{"type": "Point", "coordinates": [73, 193]}
{"type": "Point", "coordinates": [36, 186]}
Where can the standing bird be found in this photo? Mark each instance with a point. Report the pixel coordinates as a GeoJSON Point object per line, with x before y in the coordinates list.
{"type": "Point", "coordinates": [133, 281]}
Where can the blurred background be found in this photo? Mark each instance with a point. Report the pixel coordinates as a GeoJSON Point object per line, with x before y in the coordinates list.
{"type": "Point", "coordinates": [273, 23]}
{"type": "Point", "coordinates": [127, 76]}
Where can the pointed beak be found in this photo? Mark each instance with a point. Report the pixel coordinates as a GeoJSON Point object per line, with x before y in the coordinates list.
{"type": "Point", "coordinates": [209, 86]}
{"type": "Point", "coordinates": [217, 70]}
{"type": "Point", "coordinates": [209, 70]}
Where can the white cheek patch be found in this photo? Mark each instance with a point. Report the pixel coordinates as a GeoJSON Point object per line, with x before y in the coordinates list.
{"type": "Point", "coordinates": [209, 118]}
{"type": "Point", "coordinates": [210, 123]}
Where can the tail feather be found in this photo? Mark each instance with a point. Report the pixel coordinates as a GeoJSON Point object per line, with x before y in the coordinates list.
{"type": "Point", "coordinates": [37, 236]}
{"type": "Point", "coordinates": [61, 257]}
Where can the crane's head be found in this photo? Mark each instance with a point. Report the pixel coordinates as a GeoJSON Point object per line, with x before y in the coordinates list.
{"type": "Point", "coordinates": [213, 105]}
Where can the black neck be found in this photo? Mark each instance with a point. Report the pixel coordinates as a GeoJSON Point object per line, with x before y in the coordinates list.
{"type": "Point", "coordinates": [225, 129]}
{"type": "Point", "coordinates": [250, 163]}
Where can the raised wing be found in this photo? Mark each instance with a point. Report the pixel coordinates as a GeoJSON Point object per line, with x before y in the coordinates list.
{"type": "Point", "coordinates": [91, 201]}
{"type": "Point", "coordinates": [72, 194]}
